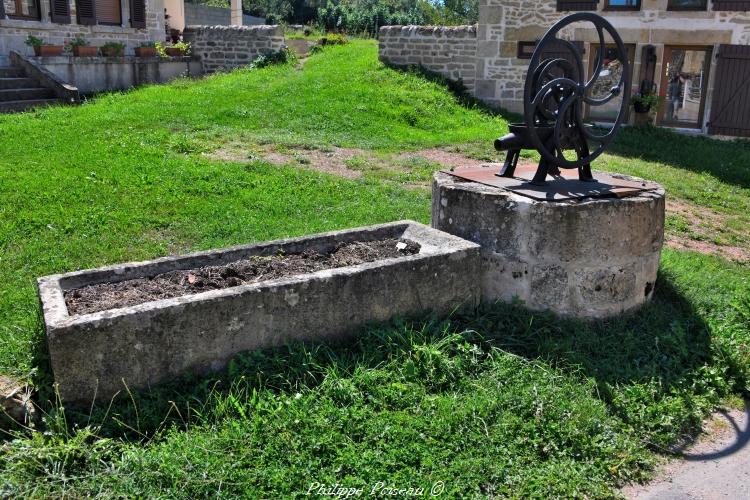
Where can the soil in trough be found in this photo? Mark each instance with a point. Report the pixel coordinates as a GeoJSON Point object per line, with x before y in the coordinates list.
{"type": "Point", "coordinates": [104, 296]}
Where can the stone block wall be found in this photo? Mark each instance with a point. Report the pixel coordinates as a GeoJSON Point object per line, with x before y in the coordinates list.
{"type": "Point", "coordinates": [221, 48]}
{"type": "Point", "coordinates": [505, 23]}
{"type": "Point", "coordinates": [13, 32]}
{"type": "Point", "coordinates": [499, 73]}
{"type": "Point", "coordinates": [449, 51]}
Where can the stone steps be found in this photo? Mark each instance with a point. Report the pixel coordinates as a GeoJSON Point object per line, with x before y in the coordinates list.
{"type": "Point", "coordinates": [19, 93]}
{"type": "Point", "coordinates": [26, 104]}
{"type": "Point", "coordinates": [17, 83]}
{"type": "Point", "coordinates": [11, 72]}
{"type": "Point", "coordinates": [24, 94]}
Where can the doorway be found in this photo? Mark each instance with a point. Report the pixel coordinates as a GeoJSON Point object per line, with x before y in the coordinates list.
{"type": "Point", "coordinates": [684, 79]}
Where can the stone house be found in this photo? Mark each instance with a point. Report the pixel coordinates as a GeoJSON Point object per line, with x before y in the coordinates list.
{"type": "Point", "coordinates": [27, 81]}
{"type": "Point", "coordinates": [98, 21]}
{"type": "Point", "coordinates": [694, 53]}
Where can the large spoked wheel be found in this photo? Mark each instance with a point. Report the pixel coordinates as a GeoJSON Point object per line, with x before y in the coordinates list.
{"type": "Point", "coordinates": [555, 92]}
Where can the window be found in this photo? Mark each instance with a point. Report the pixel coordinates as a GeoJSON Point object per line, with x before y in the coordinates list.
{"type": "Point", "coordinates": [21, 9]}
{"type": "Point", "coordinates": [99, 12]}
{"type": "Point", "coordinates": [739, 5]}
{"type": "Point", "coordinates": [623, 5]}
{"type": "Point", "coordinates": [686, 5]}
{"type": "Point", "coordinates": [567, 5]}
{"type": "Point", "coordinates": [525, 50]}
{"type": "Point", "coordinates": [108, 12]}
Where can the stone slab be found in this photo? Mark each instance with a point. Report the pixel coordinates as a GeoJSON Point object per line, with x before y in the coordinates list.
{"type": "Point", "coordinates": [94, 355]}
{"type": "Point", "coordinates": [563, 187]}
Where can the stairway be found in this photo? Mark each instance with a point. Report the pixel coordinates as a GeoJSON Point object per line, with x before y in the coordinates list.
{"type": "Point", "coordinates": [19, 93]}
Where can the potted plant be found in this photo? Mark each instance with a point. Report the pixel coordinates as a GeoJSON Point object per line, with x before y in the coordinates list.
{"type": "Point", "coordinates": [177, 49]}
{"type": "Point", "coordinates": [113, 49]}
{"type": "Point", "coordinates": [146, 49]}
{"type": "Point", "coordinates": [42, 49]}
{"type": "Point", "coordinates": [642, 103]}
{"type": "Point", "coordinates": [80, 47]}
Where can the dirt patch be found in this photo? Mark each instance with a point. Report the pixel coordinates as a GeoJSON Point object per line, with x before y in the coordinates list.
{"type": "Point", "coordinates": [332, 161]}
{"type": "Point", "coordinates": [106, 296]}
{"type": "Point", "coordinates": [443, 157]}
{"type": "Point", "coordinates": [702, 230]}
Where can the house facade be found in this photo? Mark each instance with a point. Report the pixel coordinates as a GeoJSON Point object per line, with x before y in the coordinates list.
{"type": "Point", "coordinates": [695, 54]}
{"type": "Point", "coordinates": [98, 21]}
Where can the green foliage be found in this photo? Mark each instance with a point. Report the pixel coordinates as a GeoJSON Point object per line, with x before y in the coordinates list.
{"type": "Point", "coordinates": [651, 100]}
{"type": "Point", "coordinates": [114, 45]}
{"type": "Point", "coordinates": [161, 47]}
{"type": "Point", "coordinates": [333, 39]}
{"type": "Point", "coordinates": [33, 41]}
{"type": "Point", "coordinates": [148, 44]}
{"type": "Point", "coordinates": [78, 41]}
{"type": "Point", "coordinates": [285, 56]}
{"type": "Point", "coordinates": [367, 16]}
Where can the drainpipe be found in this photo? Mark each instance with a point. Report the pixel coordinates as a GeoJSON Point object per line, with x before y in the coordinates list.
{"type": "Point", "coordinates": [235, 18]}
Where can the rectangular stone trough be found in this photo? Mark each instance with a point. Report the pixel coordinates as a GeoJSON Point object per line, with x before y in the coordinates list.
{"type": "Point", "coordinates": [95, 355]}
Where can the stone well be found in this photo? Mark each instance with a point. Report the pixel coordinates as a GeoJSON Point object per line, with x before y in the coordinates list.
{"type": "Point", "coordinates": [589, 257]}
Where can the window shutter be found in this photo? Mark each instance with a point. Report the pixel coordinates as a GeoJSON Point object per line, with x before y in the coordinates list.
{"type": "Point", "coordinates": [138, 13]}
{"type": "Point", "coordinates": [564, 5]}
{"type": "Point", "coordinates": [85, 11]}
{"type": "Point", "coordinates": [739, 5]}
{"type": "Point", "coordinates": [59, 11]}
{"type": "Point", "coordinates": [2, 10]}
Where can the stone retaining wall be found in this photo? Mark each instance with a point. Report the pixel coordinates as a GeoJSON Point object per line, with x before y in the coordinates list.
{"type": "Point", "coordinates": [221, 48]}
{"type": "Point", "coordinates": [449, 51]}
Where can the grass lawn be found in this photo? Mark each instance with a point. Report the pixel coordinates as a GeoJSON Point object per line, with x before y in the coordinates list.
{"type": "Point", "coordinates": [499, 402]}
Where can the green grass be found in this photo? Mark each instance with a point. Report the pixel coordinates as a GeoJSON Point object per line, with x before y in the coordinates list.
{"type": "Point", "coordinates": [499, 402]}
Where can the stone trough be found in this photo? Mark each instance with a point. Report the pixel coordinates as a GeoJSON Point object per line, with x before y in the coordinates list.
{"type": "Point", "coordinates": [95, 355]}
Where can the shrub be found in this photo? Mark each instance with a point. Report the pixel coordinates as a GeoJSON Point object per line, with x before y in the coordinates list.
{"type": "Point", "coordinates": [33, 41]}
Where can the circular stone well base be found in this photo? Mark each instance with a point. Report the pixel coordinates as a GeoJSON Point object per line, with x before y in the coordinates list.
{"type": "Point", "coordinates": [589, 258]}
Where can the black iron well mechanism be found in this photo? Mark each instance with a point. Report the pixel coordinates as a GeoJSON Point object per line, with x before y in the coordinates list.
{"type": "Point", "coordinates": [555, 93]}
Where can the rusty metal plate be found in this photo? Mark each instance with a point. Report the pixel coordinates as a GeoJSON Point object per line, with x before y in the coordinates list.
{"type": "Point", "coordinates": [563, 187]}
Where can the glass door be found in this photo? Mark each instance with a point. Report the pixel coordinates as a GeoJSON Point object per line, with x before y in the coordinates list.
{"type": "Point", "coordinates": [684, 80]}
{"type": "Point", "coordinates": [608, 77]}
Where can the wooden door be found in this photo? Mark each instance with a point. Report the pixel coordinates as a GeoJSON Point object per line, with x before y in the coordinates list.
{"type": "Point", "coordinates": [730, 104]}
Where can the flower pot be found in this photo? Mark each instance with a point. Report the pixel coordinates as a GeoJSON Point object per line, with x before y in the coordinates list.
{"type": "Point", "coordinates": [639, 107]}
{"type": "Point", "coordinates": [113, 51]}
{"type": "Point", "coordinates": [174, 52]}
{"type": "Point", "coordinates": [145, 51]}
{"type": "Point", "coordinates": [48, 50]}
{"type": "Point", "coordinates": [85, 51]}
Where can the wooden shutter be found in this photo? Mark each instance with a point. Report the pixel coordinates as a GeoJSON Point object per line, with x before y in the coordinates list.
{"type": "Point", "coordinates": [565, 5]}
{"type": "Point", "coordinates": [730, 104]}
{"type": "Point", "coordinates": [731, 5]}
{"type": "Point", "coordinates": [108, 12]}
{"type": "Point", "coordinates": [2, 10]}
{"type": "Point", "coordinates": [85, 11]}
{"type": "Point", "coordinates": [558, 50]}
{"type": "Point", "coordinates": [59, 11]}
{"type": "Point", "coordinates": [138, 13]}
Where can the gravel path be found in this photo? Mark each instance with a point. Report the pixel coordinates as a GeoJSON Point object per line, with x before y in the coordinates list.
{"type": "Point", "coordinates": [716, 467]}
